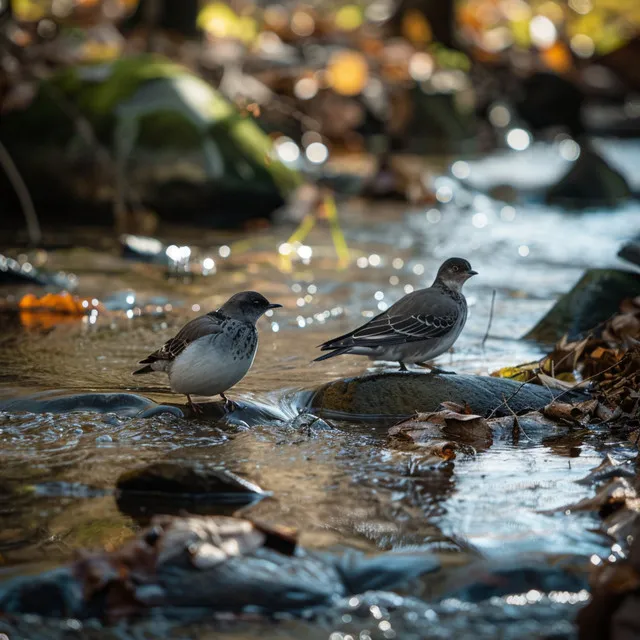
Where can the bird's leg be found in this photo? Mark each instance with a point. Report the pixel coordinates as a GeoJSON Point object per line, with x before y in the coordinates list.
{"type": "Point", "coordinates": [229, 405]}
{"type": "Point", "coordinates": [194, 407]}
{"type": "Point", "coordinates": [434, 369]}
{"type": "Point", "coordinates": [403, 366]}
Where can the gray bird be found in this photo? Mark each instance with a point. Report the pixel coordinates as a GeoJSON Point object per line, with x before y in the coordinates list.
{"type": "Point", "coordinates": [213, 352]}
{"type": "Point", "coordinates": [417, 328]}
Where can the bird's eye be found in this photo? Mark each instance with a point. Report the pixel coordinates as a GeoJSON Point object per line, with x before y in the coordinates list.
{"type": "Point", "coordinates": [454, 268]}
{"type": "Point", "coordinates": [256, 302]}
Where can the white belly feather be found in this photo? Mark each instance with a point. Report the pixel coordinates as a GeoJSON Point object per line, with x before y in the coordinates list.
{"type": "Point", "coordinates": [207, 367]}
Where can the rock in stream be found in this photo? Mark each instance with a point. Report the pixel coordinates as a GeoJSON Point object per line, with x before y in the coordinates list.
{"type": "Point", "coordinates": [401, 394]}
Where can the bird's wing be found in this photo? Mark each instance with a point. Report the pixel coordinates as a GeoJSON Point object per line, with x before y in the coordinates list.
{"type": "Point", "coordinates": [421, 315]}
{"type": "Point", "coordinates": [194, 329]}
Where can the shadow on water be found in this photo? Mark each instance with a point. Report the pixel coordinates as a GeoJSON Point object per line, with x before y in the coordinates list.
{"type": "Point", "coordinates": [340, 487]}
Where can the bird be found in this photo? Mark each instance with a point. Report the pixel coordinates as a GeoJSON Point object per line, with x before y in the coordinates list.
{"type": "Point", "coordinates": [213, 352]}
{"type": "Point", "coordinates": [417, 328]}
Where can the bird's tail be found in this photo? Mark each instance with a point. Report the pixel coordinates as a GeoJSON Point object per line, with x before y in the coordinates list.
{"type": "Point", "coordinates": [331, 354]}
{"type": "Point", "coordinates": [146, 369]}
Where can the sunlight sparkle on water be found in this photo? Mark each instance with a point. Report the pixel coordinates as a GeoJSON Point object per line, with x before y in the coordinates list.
{"type": "Point", "coordinates": [397, 263]}
{"type": "Point", "coordinates": [460, 169]}
{"type": "Point", "coordinates": [375, 260]}
{"type": "Point", "coordinates": [518, 139]}
{"type": "Point", "coordinates": [508, 213]}
{"type": "Point", "coordinates": [569, 150]}
{"type": "Point", "coordinates": [444, 194]}
{"type": "Point", "coordinates": [434, 216]}
{"type": "Point", "coordinates": [523, 250]}
{"type": "Point", "coordinates": [224, 251]}
{"type": "Point", "coordinates": [317, 153]}
{"type": "Point", "coordinates": [287, 149]}
{"type": "Point", "coordinates": [305, 252]}
{"type": "Point", "coordinates": [479, 220]}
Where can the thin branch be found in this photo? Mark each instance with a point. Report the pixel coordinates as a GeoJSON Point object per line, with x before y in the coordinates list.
{"type": "Point", "coordinates": [505, 402]}
{"type": "Point", "coordinates": [486, 335]}
{"type": "Point", "coordinates": [26, 202]}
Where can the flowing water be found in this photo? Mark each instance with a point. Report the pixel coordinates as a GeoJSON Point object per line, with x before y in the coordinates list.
{"type": "Point", "coordinates": [340, 487]}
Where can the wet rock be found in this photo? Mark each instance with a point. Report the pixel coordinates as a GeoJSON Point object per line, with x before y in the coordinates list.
{"type": "Point", "coordinates": [122, 404]}
{"type": "Point", "coordinates": [183, 478]}
{"type": "Point", "coordinates": [13, 272]}
{"type": "Point", "coordinates": [402, 394]}
{"type": "Point", "coordinates": [631, 251]}
{"type": "Point", "coordinates": [195, 566]}
{"type": "Point", "coordinates": [595, 298]}
{"type": "Point", "coordinates": [485, 579]}
{"type": "Point", "coordinates": [134, 405]}
{"type": "Point", "coordinates": [590, 182]}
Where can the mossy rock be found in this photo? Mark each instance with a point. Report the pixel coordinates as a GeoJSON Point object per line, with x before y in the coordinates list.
{"type": "Point", "coordinates": [594, 299]}
{"type": "Point", "coordinates": [177, 134]}
{"type": "Point", "coordinates": [400, 394]}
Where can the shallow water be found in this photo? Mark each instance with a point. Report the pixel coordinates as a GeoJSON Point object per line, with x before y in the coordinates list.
{"type": "Point", "coordinates": [342, 487]}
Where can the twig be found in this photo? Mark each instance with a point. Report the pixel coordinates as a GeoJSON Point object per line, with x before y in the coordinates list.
{"type": "Point", "coordinates": [18, 184]}
{"type": "Point", "coordinates": [516, 423]}
{"type": "Point", "coordinates": [513, 395]}
{"type": "Point", "coordinates": [486, 335]}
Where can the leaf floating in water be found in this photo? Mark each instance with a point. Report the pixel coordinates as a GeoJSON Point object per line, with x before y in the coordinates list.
{"type": "Point", "coordinates": [425, 428]}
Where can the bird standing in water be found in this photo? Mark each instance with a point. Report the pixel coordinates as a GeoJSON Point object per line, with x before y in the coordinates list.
{"type": "Point", "coordinates": [419, 327]}
{"type": "Point", "coordinates": [212, 353]}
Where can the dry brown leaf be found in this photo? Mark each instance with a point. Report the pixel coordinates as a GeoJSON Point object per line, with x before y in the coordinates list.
{"type": "Point", "coordinates": [425, 427]}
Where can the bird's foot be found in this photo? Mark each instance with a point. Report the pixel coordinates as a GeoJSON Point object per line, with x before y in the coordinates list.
{"type": "Point", "coordinates": [433, 369]}
{"type": "Point", "coordinates": [196, 408]}
{"type": "Point", "coordinates": [403, 366]}
{"type": "Point", "coordinates": [229, 405]}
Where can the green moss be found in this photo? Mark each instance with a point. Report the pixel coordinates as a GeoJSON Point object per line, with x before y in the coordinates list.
{"type": "Point", "coordinates": [122, 78]}
{"type": "Point", "coordinates": [163, 129]}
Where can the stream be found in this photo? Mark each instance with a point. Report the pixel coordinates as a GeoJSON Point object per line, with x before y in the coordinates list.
{"type": "Point", "coordinates": [340, 488]}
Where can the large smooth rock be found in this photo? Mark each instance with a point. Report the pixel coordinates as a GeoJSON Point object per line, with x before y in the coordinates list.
{"type": "Point", "coordinates": [183, 150]}
{"type": "Point", "coordinates": [400, 394]}
{"type": "Point", "coordinates": [594, 299]}
{"type": "Point", "coordinates": [134, 405]}
{"type": "Point", "coordinates": [122, 404]}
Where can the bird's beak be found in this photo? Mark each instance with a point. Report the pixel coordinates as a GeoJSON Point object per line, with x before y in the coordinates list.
{"type": "Point", "coordinates": [471, 272]}
{"type": "Point", "coordinates": [274, 305]}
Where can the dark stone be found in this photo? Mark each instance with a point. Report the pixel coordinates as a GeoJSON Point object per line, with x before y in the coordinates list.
{"type": "Point", "coordinates": [594, 299]}
{"type": "Point", "coordinates": [184, 478]}
{"type": "Point", "coordinates": [497, 578]}
{"type": "Point", "coordinates": [136, 406]}
{"type": "Point", "coordinates": [631, 251]}
{"type": "Point", "coordinates": [590, 182]}
{"type": "Point", "coordinates": [402, 394]}
{"type": "Point", "coordinates": [123, 404]}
